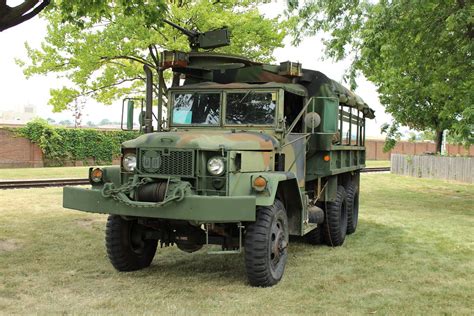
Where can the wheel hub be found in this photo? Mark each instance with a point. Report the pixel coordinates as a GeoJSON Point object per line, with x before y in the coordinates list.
{"type": "Point", "coordinates": [278, 245]}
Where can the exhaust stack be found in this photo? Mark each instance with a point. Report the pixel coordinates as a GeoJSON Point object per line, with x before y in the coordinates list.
{"type": "Point", "coordinates": [149, 100]}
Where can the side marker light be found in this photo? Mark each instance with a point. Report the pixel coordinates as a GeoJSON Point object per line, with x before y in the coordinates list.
{"type": "Point", "coordinates": [259, 183]}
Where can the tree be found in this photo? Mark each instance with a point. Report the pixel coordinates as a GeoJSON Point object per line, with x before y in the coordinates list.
{"type": "Point", "coordinates": [82, 12]}
{"type": "Point", "coordinates": [428, 135]}
{"type": "Point", "coordinates": [412, 137]}
{"type": "Point", "coordinates": [103, 58]}
{"type": "Point", "coordinates": [76, 108]}
{"type": "Point", "coordinates": [418, 53]}
{"type": "Point", "coordinates": [66, 123]}
{"type": "Point", "coordinates": [12, 16]}
{"type": "Point", "coordinates": [104, 122]}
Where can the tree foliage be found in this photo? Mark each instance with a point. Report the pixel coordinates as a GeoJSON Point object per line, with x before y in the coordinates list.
{"type": "Point", "coordinates": [103, 55]}
{"type": "Point", "coordinates": [80, 11]}
{"type": "Point", "coordinates": [84, 12]}
{"type": "Point", "coordinates": [418, 53]}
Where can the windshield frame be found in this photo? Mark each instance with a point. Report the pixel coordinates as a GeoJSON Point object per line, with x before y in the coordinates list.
{"type": "Point", "coordinates": [223, 107]}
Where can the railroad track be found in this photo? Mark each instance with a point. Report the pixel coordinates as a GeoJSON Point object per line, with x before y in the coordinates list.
{"type": "Point", "coordinates": [44, 183]}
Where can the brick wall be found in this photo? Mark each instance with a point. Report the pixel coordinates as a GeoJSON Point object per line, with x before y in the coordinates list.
{"type": "Point", "coordinates": [18, 152]}
{"type": "Point", "coordinates": [375, 149]}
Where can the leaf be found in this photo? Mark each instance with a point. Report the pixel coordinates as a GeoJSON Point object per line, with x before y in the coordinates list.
{"type": "Point", "coordinates": [100, 47]}
{"type": "Point", "coordinates": [417, 53]}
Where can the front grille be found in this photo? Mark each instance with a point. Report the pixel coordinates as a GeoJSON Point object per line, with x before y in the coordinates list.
{"type": "Point", "coordinates": [167, 162]}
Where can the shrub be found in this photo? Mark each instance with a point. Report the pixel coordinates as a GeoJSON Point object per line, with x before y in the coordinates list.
{"type": "Point", "coordinates": [61, 144]}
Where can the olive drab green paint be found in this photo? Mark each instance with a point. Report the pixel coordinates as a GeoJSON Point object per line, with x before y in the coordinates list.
{"type": "Point", "coordinates": [288, 160]}
{"type": "Point", "coordinates": [248, 154]}
{"type": "Point", "coordinates": [130, 108]}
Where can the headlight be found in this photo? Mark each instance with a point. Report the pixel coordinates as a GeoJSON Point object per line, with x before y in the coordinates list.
{"type": "Point", "coordinates": [129, 162]}
{"type": "Point", "coordinates": [216, 166]}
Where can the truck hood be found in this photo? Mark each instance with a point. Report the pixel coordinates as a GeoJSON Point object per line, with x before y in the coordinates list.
{"type": "Point", "coordinates": [205, 140]}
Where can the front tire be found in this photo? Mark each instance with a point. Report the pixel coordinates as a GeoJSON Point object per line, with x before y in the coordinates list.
{"type": "Point", "coordinates": [266, 242]}
{"type": "Point", "coordinates": [335, 222]}
{"type": "Point", "coordinates": [127, 248]}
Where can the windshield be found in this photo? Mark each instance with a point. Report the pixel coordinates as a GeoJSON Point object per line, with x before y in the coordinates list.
{"type": "Point", "coordinates": [196, 108]}
{"type": "Point", "coordinates": [250, 108]}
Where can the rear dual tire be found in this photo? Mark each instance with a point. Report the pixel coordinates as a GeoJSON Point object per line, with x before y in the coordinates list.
{"type": "Point", "coordinates": [352, 191]}
{"type": "Point", "coordinates": [334, 227]}
{"type": "Point", "coordinates": [341, 218]}
{"type": "Point", "coordinates": [315, 237]}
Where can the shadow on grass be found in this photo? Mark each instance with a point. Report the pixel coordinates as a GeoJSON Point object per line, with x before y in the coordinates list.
{"type": "Point", "coordinates": [82, 250]}
{"type": "Point", "coordinates": [227, 268]}
{"type": "Point", "coordinates": [378, 242]}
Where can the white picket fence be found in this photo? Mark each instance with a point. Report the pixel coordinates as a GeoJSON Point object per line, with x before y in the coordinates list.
{"type": "Point", "coordinates": [449, 168]}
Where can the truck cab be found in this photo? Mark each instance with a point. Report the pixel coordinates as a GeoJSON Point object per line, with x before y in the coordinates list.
{"type": "Point", "coordinates": [248, 154]}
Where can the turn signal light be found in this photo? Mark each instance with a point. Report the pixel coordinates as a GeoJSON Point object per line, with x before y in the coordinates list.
{"type": "Point", "coordinates": [260, 183]}
{"type": "Point", "coordinates": [96, 175]}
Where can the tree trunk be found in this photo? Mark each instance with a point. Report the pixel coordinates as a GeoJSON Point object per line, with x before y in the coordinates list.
{"type": "Point", "coordinates": [439, 141]}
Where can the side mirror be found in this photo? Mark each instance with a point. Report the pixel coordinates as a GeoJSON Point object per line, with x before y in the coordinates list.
{"type": "Point", "coordinates": [312, 120]}
{"type": "Point", "coordinates": [128, 111]}
{"type": "Point", "coordinates": [141, 119]}
{"type": "Point", "coordinates": [130, 108]}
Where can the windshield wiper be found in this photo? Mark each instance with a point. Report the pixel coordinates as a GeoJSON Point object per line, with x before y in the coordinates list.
{"type": "Point", "coordinates": [245, 96]}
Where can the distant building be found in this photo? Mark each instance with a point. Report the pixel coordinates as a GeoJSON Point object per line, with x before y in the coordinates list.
{"type": "Point", "coordinates": [22, 116]}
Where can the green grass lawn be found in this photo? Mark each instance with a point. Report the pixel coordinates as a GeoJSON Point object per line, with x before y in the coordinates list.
{"type": "Point", "coordinates": [412, 254]}
{"type": "Point", "coordinates": [44, 173]}
{"type": "Point", "coordinates": [377, 163]}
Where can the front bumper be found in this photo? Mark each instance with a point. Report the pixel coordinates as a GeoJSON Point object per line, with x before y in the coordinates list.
{"type": "Point", "coordinates": [205, 209]}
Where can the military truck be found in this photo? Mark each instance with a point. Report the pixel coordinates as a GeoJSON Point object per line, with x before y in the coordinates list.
{"type": "Point", "coordinates": [247, 155]}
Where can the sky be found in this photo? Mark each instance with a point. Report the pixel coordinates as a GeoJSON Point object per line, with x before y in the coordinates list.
{"type": "Point", "coordinates": [17, 91]}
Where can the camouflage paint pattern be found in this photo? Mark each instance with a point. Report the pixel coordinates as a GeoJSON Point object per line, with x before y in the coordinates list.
{"type": "Point", "coordinates": [295, 156]}
{"type": "Point", "coordinates": [249, 151]}
{"type": "Point", "coordinates": [205, 140]}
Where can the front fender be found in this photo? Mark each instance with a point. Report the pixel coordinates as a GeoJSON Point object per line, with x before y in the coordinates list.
{"type": "Point", "coordinates": [283, 185]}
{"type": "Point", "coordinates": [112, 174]}
{"type": "Point", "coordinates": [240, 184]}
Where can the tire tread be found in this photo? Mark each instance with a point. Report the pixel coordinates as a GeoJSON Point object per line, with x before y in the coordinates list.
{"type": "Point", "coordinates": [331, 226]}
{"type": "Point", "coordinates": [256, 242]}
{"type": "Point", "coordinates": [352, 190]}
{"type": "Point", "coordinates": [121, 258]}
